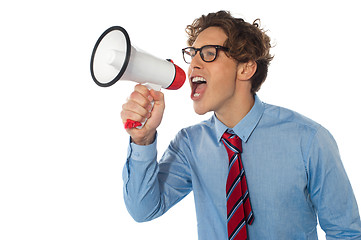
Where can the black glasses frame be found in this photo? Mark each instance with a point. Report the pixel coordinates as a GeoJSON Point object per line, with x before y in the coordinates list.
{"type": "Point", "coordinates": [217, 47]}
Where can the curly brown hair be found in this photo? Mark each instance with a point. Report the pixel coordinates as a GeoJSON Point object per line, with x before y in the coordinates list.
{"type": "Point", "coordinates": [245, 41]}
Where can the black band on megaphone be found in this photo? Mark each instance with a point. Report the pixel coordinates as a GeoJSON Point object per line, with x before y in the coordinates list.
{"type": "Point", "coordinates": [126, 61]}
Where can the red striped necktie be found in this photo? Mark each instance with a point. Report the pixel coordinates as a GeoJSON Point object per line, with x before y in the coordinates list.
{"type": "Point", "coordinates": [239, 211]}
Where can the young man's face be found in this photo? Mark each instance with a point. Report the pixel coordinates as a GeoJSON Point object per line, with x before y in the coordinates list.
{"type": "Point", "coordinates": [217, 94]}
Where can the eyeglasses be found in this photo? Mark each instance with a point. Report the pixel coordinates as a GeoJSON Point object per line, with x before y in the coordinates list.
{"type": "Point", "coordinates": [208, 52]}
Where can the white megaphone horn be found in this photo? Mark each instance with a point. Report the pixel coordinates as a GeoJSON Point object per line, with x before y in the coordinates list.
{"type": "Point", "coordinates": [114, 58]}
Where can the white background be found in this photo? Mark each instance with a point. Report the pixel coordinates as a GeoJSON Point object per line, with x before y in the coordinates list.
{"type": "Point", "coordinates": [62, 144]}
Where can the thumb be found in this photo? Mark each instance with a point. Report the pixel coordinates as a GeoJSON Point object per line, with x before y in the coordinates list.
{"type": "Point", "coordinates": [157, 96]}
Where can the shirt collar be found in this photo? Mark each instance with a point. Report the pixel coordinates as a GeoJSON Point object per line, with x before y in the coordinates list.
{"type": "Point", "coordinates": [246, 126]}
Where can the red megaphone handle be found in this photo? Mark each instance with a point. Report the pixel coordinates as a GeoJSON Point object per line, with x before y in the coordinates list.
{"type": "Point", "coordinates": [131, 124]}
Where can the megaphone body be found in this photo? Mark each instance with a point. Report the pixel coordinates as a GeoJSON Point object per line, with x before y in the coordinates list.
{"type": "Point", "coordinates": [114, 58]}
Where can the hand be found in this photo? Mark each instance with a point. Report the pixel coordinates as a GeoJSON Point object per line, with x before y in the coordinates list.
{"type": "Point", "coordinates": [139, 108]}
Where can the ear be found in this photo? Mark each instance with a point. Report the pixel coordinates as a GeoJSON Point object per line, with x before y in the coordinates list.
{"type": "Point", "coordinates": [246, 70]}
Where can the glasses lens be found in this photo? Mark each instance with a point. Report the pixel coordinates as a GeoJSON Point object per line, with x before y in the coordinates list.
{"type": "Point", "coordinates": [188, 54]}
{"type": "Point", "coordinates": [209, 53]}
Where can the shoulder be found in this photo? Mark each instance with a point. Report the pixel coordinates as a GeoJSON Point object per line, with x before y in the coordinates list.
{"type": "Point", "coordinates": [188, 139]}
{"type": "Point", "coordinates": [205, 127]}
{"type": "Point", "coordinates": [312, 133]}
{"type": "Point", "coordinates": [284, 116]}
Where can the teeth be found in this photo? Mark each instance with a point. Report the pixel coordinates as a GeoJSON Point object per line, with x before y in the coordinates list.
{"type": "Point", "coordinates": [196, 95]}
{"type": "Point", "coordinates": [199, 80]}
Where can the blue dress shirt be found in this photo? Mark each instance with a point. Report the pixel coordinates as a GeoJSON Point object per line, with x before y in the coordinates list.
{"type": "Point", "coordinates": [293, 170]}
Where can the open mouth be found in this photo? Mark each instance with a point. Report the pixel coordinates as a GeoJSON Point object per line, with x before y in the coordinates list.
{"type": "Point", "coordinates": [198, 86]}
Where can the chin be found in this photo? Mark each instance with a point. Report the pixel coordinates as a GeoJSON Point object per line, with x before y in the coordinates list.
{"type": "Point", "coordinates": [200, 110]}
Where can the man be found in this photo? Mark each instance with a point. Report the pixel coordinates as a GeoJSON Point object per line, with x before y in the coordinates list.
{"type": "Point", "coordinates": [257, 171]}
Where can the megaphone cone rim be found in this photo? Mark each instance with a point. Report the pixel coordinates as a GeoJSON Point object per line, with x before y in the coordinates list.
{"type": "Point", "coordinates": [126, 61]}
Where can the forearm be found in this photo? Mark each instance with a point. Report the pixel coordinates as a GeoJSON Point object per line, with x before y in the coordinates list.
{"type": "Point", "coordinates": [141, 187]}
{"type": "Point", "coordinates": [151, 188]}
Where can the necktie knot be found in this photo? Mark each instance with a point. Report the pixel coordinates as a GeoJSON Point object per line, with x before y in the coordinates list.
{"type": "Point", "coordinates": [232, 141]}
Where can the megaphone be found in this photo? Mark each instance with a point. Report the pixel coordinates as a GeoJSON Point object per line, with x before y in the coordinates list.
{"type": "Point", "coordinates": [114, 58]}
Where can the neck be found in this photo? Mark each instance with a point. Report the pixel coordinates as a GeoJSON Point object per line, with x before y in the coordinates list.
{"type": "Point", "coordinates": [232, 116]}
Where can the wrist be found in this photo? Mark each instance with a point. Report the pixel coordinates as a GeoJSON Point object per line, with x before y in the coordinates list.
{"type": "Point", "coordinates": [145, 140]}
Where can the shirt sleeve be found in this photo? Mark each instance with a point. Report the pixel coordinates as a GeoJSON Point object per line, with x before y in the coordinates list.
{"type": "Point", "coordinates": [151, 188]}
{"type": "Point", "coordinates": [330, 189]}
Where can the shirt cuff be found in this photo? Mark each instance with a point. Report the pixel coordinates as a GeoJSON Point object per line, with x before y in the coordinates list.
{"type": "Point", "coordinates": [142, 152]}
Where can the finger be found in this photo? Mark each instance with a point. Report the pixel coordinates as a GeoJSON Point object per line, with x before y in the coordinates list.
{"type": "Point", "coordinates": [125, 115]}
{"type": "Point", "coordinates": [135, 107]}
{"type": "Point", "coordinates": [139, 99]}
{"type": "Point", "coordinates": [144, 91]}
{"type": "Point", "coordinates": [156, 95]}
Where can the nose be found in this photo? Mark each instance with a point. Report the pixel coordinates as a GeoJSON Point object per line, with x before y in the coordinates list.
{"type": "Point", "coordinates": [197, 61]}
